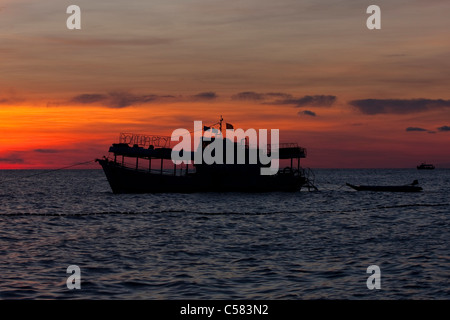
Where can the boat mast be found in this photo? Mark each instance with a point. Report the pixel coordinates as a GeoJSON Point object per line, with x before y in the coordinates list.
{"type": "Point", "coordinates": [220, 124]}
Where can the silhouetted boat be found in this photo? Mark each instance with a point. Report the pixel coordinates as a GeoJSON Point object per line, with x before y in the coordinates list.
{"type": "Point", "coordinates": [413, 187]}
{"type": "Point", "coordinates": [140, 176]}
{"type": "Point", "coordinates": [425, 166]}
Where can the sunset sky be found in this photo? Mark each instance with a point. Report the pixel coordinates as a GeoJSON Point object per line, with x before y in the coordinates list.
{"type": "Point", "coordinates": [354, 97]}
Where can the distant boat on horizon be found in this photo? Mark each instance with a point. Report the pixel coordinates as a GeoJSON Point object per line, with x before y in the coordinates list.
{"type": "Point", "coordinates": [425, 166]}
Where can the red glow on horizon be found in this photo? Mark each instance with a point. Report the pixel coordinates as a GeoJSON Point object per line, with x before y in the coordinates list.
{"type": "Point", "coordinates": [44, 138]}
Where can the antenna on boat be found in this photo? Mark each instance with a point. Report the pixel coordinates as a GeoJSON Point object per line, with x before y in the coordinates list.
{"type": "Point", "coordinates": [220, 121]}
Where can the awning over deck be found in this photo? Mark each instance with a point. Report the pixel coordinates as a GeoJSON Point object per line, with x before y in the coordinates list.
{"type": "Point", "coordinates": [286, 151]}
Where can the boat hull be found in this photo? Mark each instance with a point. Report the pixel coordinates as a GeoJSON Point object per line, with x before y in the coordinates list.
{"type": "Point", "coordinates": [127, 180]}
{"type": "Point", "coordinates": [406, 188]}
{"type": "Point", "coordinates": [425, 167]}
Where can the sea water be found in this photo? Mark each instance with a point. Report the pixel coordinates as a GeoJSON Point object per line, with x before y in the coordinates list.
{"type": "Point", "coordinates": [302, 245]}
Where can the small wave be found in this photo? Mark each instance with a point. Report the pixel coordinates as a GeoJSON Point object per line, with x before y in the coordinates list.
{"type": "Point", "coordinates": [328, 211]}
{"type": "Point", "coordinates": [210, 213]}
{"type": "Point", "coordinates": [387, 207]}
{"type": "Point", "coordinates": [79, 214]}
{"type": "Point", "coordinates": [415, 205]}
{"type": "Point", "coordinates": [240, 213]}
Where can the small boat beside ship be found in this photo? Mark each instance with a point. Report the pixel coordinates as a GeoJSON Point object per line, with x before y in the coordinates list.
{"type": "Point", "coordinates": [413, 187]}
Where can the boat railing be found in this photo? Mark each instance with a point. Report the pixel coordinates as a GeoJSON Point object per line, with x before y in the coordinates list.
{"type": "Point", "coordinates": [145, 141]}
{"type": "Point", "coordinates": [155, 167]}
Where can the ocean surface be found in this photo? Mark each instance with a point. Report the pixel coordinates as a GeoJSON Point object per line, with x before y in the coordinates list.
{"type": "Point", "coordinates": [304, 245]}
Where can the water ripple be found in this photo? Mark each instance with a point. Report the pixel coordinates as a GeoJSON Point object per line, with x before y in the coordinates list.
{"type": "Point", "coordinates": [305, 245]}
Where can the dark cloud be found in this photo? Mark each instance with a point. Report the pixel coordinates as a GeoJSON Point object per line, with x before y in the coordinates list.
{"type": "Point", "coordinates": [281, 98]}
{"type": "Point", "coordinates": [279, 95]}
{"type": "Point", "coordinates": [444, 129]}
{"type": "Point", "coordinates": [307, 113]}
{"type": "Point", "coordinates": [418, 129]}
{"type": "Point", "coordinates": [124, 99]}
{"type": "Point", "coordinates": [415, 129]}
{"type": "Point", "coordinates": [12, 159]}
{"type": "Point", "coordinates": [85, 41]}
{"type": "Point", "coordinates": [398, 106]}
{"type": "Point", "coordinates": [87, 98]}
{"type": "Point", "coordinates": [258, 96]}
{"type": "Point", "coordinates": [46, 150]}
{"type": "Point", "coordinates": [205, 96]}
{"type": "Point", "coordinates": [11, 100]}
{"type": "Point", "coordinates": [248, 95]}
{"type": "Point", "coordinates": [116, 99]}
{"type": "Point", "coordinates": [312, 101]}
{"type": "Point", "coordinates": [395, 55]}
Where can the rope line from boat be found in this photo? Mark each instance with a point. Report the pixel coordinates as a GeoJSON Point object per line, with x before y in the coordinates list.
{"type": "Point", "coordinates": [310, 177]}
{"type": "Point", "coordinates": [49, 171]}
